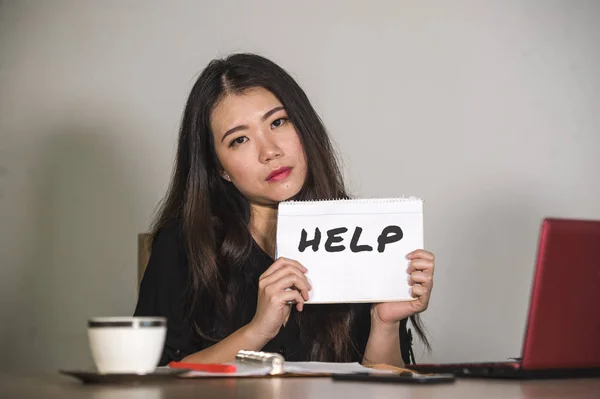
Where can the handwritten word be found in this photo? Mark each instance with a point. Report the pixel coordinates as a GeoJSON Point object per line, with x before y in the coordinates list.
{"type": "Point", "coordinates": [389, 235]}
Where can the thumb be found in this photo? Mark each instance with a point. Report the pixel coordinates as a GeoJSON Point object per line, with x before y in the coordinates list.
{"type": "Point", "coordinates": [287, 310]}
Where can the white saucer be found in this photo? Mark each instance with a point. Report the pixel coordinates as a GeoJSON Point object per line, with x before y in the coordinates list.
{"type": "Point", "coordinates": [94, 377]}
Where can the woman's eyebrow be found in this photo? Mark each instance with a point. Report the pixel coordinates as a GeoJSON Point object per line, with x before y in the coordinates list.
{"type": "Point", "coordinates": [233, 130]}
{"type": "Point", "coordinates": [244, 127]}
{"type": "Point", "coordinates": [271, 112]}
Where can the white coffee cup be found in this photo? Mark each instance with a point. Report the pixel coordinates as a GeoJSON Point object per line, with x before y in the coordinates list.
{"type": "Point", "coordinates": [127, 344]}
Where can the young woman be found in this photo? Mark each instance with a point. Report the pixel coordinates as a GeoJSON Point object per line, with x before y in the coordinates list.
{"type": "Point", "coordinates": [249, 139]}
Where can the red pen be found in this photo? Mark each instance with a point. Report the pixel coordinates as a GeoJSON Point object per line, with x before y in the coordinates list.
{"type": "Point", "coordinates": [207, 367]}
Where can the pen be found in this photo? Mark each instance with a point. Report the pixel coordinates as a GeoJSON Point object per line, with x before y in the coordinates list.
{"type": "Point", "coordinates": [207, 367]}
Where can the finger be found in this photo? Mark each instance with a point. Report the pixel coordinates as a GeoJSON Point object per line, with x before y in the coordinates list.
{"type": "Point", "coordinates": [421, 278]}
{"type": "Point", "coordinates": [278, 264]}
{"type": "Point", "coordinates": [293, 281]}
{"type": "Point", "coordinates": [285, 278]}
{"type": "Point", "coordinates": [420, 265]}
{"type": "Point", "coordinates": [292, 296]}
{"type": "Point", "coordinates": [297, 264]}
{"type": "Point", "coordinates": [281, 262]}
{"type": "Point", "coordinates": [419, 291]}
{"type": "Point", "coordinates": [280, 274]}
{"type": "Point", "coordinates": [283, 266]}
{"type": "Point", "coordinates": [420, 253]}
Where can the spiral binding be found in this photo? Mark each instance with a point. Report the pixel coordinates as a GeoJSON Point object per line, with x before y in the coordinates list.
{"type": "Point", "coordinates": [354, 200]}
{"type": "Point", "coordinates": [273, 360]}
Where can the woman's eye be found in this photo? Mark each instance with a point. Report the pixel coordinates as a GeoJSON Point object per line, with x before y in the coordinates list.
{"type": "Point", "coordinates": [238, 141]}
{"type": "Point", "coordinates": [278, 122]}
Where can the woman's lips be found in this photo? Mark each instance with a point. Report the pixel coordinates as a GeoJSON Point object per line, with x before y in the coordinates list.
{"type": "Point", "coordinates": [279, 174]}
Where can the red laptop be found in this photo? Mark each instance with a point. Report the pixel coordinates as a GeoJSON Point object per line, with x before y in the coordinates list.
{"type": "Point", "coordinates": [562, 337]}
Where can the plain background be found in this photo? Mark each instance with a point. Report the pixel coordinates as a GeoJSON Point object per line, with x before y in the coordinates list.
{"type": "Point", "coordinates": [488, 110]}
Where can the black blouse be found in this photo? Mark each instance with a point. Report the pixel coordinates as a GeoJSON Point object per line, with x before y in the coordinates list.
{"type": "Point", "coordinates": [164, 284]}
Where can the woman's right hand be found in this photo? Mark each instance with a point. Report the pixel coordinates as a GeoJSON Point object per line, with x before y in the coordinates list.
{"type": "Point", "coordinates": [283, 282]}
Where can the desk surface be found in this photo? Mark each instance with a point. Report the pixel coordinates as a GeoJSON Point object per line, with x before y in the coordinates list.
{"type": "Point", "coordinates": [15, 386]}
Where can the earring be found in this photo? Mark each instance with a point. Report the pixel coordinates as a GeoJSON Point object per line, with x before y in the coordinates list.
{"type": "Point", "coordinates": [226, 176]}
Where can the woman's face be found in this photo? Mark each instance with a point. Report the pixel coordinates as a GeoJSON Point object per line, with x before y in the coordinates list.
{"type": "Point", "coordinates": [258, 147]}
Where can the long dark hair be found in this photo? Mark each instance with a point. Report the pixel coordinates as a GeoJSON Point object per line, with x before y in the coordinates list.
{"type": "Point", "coordinates": [216, 215]}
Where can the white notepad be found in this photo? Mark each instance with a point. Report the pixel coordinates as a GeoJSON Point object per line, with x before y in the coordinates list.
{"type": "Point", "coordinates": [354, 250]}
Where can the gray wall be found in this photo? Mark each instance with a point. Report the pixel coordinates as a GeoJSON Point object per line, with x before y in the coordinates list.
{"type": "Point", "coordinates": [489, 110]}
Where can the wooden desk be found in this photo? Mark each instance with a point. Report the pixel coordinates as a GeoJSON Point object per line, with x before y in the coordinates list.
{"type": "Point", "coordinates": [12, 386]}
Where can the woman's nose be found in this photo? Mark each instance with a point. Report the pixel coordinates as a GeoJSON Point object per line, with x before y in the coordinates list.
{"type": "Point", "coordinates": [269, 150]}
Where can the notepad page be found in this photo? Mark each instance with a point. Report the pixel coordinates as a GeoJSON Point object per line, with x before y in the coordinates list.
{"type": "Point", "coordinates": [354, 250]}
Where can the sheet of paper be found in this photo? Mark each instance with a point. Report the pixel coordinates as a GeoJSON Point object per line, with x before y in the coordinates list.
{"type": "Point", "coordinates": [328, 368]}
{"type": "Point", "coordinates": [354, 250]}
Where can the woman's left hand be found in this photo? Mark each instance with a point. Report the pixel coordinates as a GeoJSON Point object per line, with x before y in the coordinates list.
{"type": "Point", "coordinates": [420, 269]}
